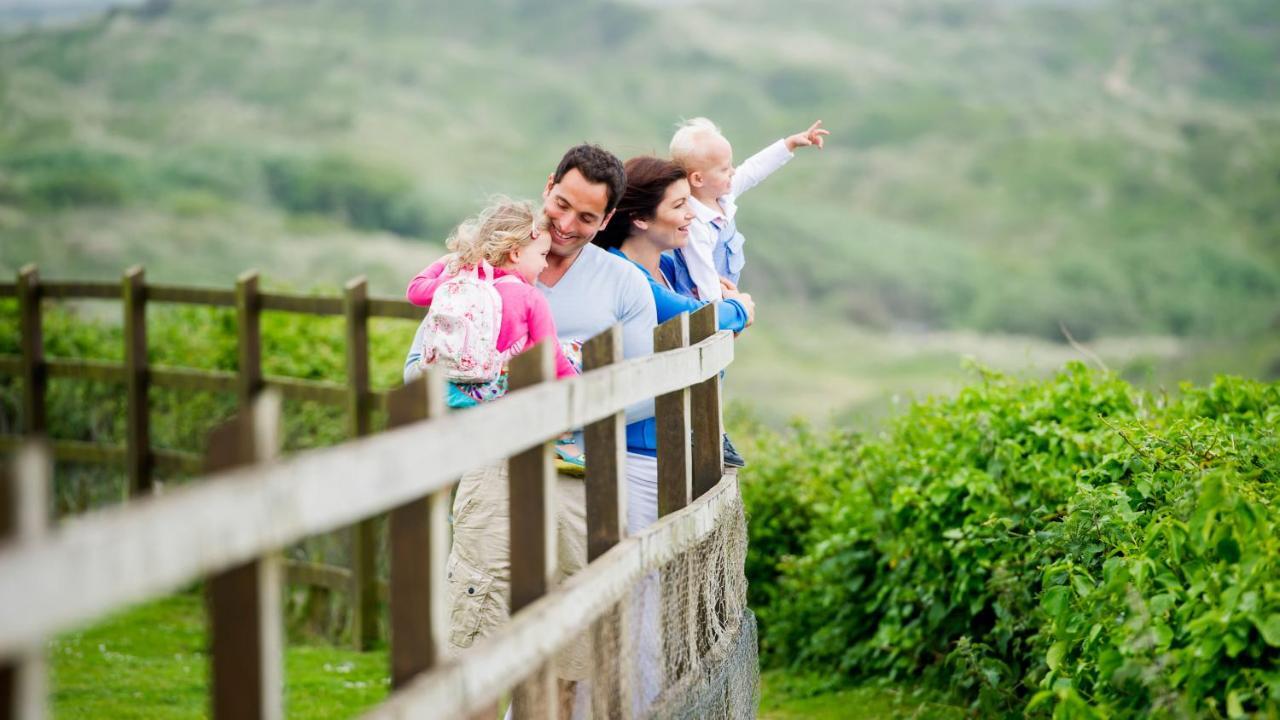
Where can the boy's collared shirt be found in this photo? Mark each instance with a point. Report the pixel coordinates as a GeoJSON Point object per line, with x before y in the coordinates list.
{"type": "Point", "coordinates": [715, 246]}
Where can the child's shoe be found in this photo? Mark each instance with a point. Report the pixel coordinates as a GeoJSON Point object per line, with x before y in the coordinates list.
{"type": "Point", "coordinates": [569, 459]}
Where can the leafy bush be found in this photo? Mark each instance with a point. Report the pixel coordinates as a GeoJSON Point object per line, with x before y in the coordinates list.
{"type": "Point", "coordinates": [1071, 547]}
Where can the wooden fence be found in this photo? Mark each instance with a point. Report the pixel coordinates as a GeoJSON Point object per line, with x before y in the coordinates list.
{"type": "Point", "coordinates": [140, 459]}
{"type": "Point", "coordinates": [229, 527]}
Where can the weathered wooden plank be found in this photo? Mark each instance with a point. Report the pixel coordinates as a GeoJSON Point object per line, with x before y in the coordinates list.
{"type": "Point", "coordinates": [313, 390]}
{"type": "Point", "coordinates": [675, 471]}
{"type": "Point", "coordinates": [35, 380]}
{"type": "Point", "coordinates": [246, 631]}
{"type": "Point", "coordinates": [606, 448]}
{"type": "Point", "coordinates": [193, 379]}
{"type": "Point", "coordinates": [86, 369]}
{"type": "Point", "coordinates": [531, 499]}
{"type": "Point", "coordinates": [24, 516]}
{"type": "Point", "coordinates": [475, 679]}
{"type": "Point", "coordinates": [303, 304]}
{"type": "Point", "coordinates": [395, 308]}
{"type": "Point", "coordinates": [84, 452]}
{"type": "Point", "coordinates": [10, 364]}
{"type": "Point", "coordinates": [419, 539]}
{"type": "Point", "coordinates": [170, 461]}
{"type": "Point", "coordinates": [79, 290]}
{"type": "Point", "coordinates": [329, 577]}
{"type": "Point", "coordinates": [364, 536]}
{"type": "Point", "coordinates": [191, 295]}
{"type": "Point", "coordinates": [249, 343]}
{"type": "Point", "coordinates": [126, 554]}
{"type": "Point", "coordinates": [707, 429]}
{"type": "Point", "coordinates": [532, 492]}
{"type": "Point", "coordinates": [137, 411]}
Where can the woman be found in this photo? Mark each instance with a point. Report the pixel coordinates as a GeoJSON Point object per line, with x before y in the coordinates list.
{"type": "Point", "coordinates": [652, 218]}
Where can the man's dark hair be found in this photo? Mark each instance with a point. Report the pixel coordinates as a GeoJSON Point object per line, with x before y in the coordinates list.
{"type": "Point", "coordinates": [597, 165]}
{"type": "Point", "coordinates": [647, 181]}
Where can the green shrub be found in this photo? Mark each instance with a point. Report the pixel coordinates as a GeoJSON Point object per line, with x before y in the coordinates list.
{"type": "Point", "coordinates": [1072, 547]}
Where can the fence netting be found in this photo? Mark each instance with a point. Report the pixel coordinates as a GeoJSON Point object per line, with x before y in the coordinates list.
{"type": "Point", "coordinates": [680, 644]}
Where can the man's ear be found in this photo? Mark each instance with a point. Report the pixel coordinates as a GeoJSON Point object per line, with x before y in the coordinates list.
{"type": "Point", "coordinates": [551, 182]}
{"type": "Point", "coordinates": [606, 219]}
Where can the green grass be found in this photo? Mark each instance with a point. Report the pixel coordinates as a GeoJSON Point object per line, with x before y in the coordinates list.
{"type": "Point", "coordinates": [784, 697]}
{"type": "Point", "coordinates": [150, 663]}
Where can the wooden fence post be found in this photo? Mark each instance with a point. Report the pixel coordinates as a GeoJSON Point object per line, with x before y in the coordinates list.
{"type": "Point", "coordinates": [138, 425]}
{"type": "Point", "coordinates": [606, 450]}
{"type": "Point", "coordinates": [675, 490]}
{"type": "Point", "coordinates": [249, 323]}
{"type": "Point", "coordinates": [672, 413]}
{"type": "Point", "coordinates": [532, 483]}
{"type": "Point", "coordinates": [245, 605]}
{"type": "Point", "coordinates": [606, 445]}
{"type": "Point", "coordinates": [364, 536]}
{"type": "Point", "coordinates": [35, 374]}
{"type": "Point", "coordinates": [24, 514]}
{"type": "Point", "coordinates": [419, 539]}
{"type": "Point", "coordinates": [704, 401]}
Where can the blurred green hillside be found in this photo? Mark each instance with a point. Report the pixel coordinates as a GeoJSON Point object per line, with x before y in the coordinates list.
{"type": "Point", "coordinates": [995, 168]}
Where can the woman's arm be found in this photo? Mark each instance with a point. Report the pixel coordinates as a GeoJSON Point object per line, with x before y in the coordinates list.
{"type": "Point", "coordinates": [731, 314]}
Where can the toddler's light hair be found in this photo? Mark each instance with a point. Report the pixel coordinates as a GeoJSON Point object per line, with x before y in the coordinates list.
{"type": "Point", "coordinates": [505, 225]}
{"type": "Point", "coordinates": [685, 146]}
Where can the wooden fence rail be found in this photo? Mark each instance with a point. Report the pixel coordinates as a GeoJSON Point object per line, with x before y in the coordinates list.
{"type": "Point", "coordinates": [229, 528]}
{"type": "Point", "coordinates": [138, 457]}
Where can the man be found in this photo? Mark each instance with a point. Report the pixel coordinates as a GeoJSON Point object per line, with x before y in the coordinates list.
{"type": "Point", "coordinates": [589, 291]}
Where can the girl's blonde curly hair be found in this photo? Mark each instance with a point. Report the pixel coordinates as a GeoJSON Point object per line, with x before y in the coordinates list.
{"type": "Point", "coordinates": [505, 225]}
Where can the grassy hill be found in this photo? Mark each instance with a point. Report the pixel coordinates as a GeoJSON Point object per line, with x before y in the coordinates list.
{"type": "Point", "coordinates": [995, 167]}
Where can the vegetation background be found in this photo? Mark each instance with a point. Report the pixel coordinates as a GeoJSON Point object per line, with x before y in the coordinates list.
{"type": "Point", "coordinates": [996, 169]}
{"type": "Point", "coordinates": [999, 174]}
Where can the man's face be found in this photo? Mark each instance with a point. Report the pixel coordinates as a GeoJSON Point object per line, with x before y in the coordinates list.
{"type": "Point", "coordinates": [575, 209]}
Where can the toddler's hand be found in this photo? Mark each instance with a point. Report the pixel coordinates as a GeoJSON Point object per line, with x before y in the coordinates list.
{"type": "Point", "coordinates": [812, 136]}
{"type": "Point", "coordinates": [727, 285]}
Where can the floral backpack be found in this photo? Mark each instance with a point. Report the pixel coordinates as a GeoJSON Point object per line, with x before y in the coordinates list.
{"type": "Point", "coordinates": [459, 335]}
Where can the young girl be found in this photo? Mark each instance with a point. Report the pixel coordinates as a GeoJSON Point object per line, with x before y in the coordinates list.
{"type": "Point", "coordinates": [511, 238]}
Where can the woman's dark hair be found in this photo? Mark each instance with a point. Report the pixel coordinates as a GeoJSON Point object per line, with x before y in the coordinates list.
{"type": "Point", "coordinates": [598, 166]}
{"type": "Point", "coordinates": [647, 181]}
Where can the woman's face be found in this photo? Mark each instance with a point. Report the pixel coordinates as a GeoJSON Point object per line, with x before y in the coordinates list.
{"type": "Point", "coordinates": [669, 226]}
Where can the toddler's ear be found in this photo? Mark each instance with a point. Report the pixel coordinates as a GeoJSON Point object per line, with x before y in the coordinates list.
{"type": "Point", "coordinates": [695, 178]}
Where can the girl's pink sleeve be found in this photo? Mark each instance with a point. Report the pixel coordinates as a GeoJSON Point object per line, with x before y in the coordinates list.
{"type": "Point", "coordinates": [418, 292]}
{"type": "Point", "coordinates": [543, 325]}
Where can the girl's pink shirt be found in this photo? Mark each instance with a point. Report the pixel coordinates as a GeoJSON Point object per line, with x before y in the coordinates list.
{"type": "Point", "coordinates": [525, 311]}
